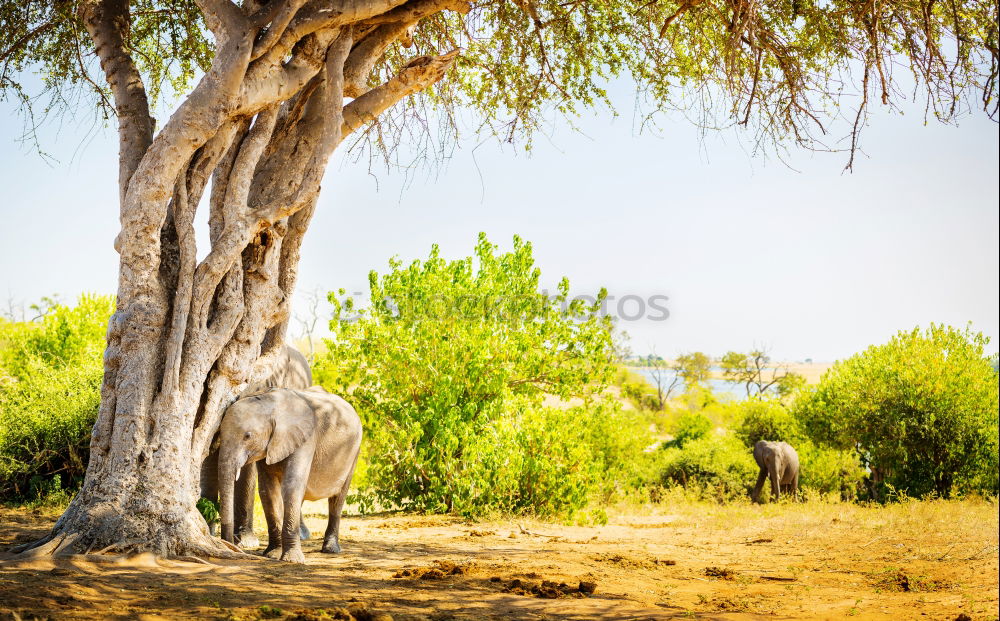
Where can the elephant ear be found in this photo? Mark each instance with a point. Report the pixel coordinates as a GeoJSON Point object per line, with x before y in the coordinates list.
{"type": "Point", "coordinates": [294, 422]}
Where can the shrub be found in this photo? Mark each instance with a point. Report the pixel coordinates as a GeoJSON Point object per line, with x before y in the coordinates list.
{"type": "Point", "coordinates": [766, 419]}
{"type": "Point", "coordinates": [829, 471]}
{"type": "Point", "coordinates": [551, 461]}
{"type": "Point", "coordinates": [49, 401]}
{"type": "Point", "coordinates": [713, 466]}
{"type": "Point", "coordinates": [921, 411]}
{"type": "Point", "coordinates": [448, 368]}
{"type": "Point", "coordinates": [635, 390]}
{"type": "Point", "coordinates": [690, 426]}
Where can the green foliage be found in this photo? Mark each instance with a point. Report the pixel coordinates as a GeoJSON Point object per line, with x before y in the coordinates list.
{"type": "Point", "coordinates": [552, 461]}
{"type": "Point", "coordinates": [448, 368]}
{"type": "Point", "coordinates": [209, 510]}
{"type": "Point", "coordinates": [755, 372]}
{"type": "Point", "coordinates": [167, 41]}
{"type": "Point", "coordinates": [789, 384]}
{"type": "Point", "coordinates": [829, 471]}
{"type": "Point", "coordinates": [921, 410]}
{"type": "Point", "coordinates": [642, 394]}
{"type": "Point", "coordinates": [50, 379]}
{"type": "Point", "coordinates": [779, 69]}
{"type": "Point", "coordinates": [694, 368]}
{"type": "Point", "coordinates": [690, 426]}
{"type": "Point", "coordinates": [712, 466]}
{"type": "Point", "coordinates": [766, 419]}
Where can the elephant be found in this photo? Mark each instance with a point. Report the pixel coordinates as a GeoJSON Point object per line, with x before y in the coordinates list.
{"type": "Point", "coordinates": [292, 371]}
{"type": "Point", "coordinates": [305, 444]}
{"type": "Point", "coordinates": [778, 462]}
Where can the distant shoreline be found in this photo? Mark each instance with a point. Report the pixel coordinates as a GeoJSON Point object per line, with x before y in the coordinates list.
{"type": "Point", "coordinates": [812, 371]}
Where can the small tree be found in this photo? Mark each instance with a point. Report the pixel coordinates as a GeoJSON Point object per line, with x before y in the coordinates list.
{"type": "Point", "coordinates": [308, 321]}
{"type": "Point", "coordinates": [664, 378]}
{"type": "Point", "coordinates": [755, 371]}
{"type": "Point", "coordinates": [448, 348]}
{"type": "Point", "coordinates": [921, 410]}
{"type": "Point", "coordinates": [694, 368]}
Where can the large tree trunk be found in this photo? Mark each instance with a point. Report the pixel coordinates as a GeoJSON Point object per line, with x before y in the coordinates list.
{"type": "Point", "coordinates": [187, 337]}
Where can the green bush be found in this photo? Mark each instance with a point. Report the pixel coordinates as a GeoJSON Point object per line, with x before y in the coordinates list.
{"type": "Point", "coordinates": [690, 426]}
{"type": "Point", "coordinates": [448, 368]}
{"type": "Point", "coordinates": [920, 410]}
{"type": "Point", "coordinates": [49, 396]}
{"type": "Point", "coordinates": [552, 461]}
{"type": "Point", "coordinates": [712, 466]}
{"type": "Point", "coordinates": [766, 419]}
{"type": "Point", "coordinates": [829, 471]}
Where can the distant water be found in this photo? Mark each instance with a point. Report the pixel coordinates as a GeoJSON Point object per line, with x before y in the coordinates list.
{"type": "Point", "coordinates": [718, 386]}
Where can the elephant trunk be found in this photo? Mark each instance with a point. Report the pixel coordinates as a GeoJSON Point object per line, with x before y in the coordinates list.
{"type": "Point", "coordinates": [229, 467]}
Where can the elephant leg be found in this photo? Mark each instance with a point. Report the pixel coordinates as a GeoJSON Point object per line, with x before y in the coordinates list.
{"type": "Point", "coordinates": [293, 487]}
{"type": "Point", "coordinates": [331, 540]}
{"type": "Point", "coordinates": [270, 497]}
{"type": "Point", "coordinates": [246, 489]}
{"type": "Point", "coordinates": [795, 487]}
{"type": "Point", "coordinates": [755, 496]}
{"type": "Point", "coordinates": [304, 534]}
{"type": "Point", "coordinates": [210, 477]}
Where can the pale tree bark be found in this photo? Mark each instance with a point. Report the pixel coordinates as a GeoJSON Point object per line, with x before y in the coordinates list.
{"type": "Point", "coordinates": [188, 336]}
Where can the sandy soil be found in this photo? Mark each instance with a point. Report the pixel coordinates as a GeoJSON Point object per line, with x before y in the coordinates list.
{"type": "Point", "coordinates": [918, 560]}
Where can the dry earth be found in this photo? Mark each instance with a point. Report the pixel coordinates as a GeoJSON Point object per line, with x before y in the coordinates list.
{"type": "Point", "coordinates": [916, 560]}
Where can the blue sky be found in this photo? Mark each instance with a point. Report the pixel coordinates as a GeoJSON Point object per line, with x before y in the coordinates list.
{"type": "Point", "coordinates": [804, 259]}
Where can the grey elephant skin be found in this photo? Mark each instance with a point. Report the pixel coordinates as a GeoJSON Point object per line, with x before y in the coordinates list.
{"type": "Point", "coordinates": [305, 444]}
{"type": "Point", "coordinates": [292, 371]}
{"type": "Point", "coordinates": [778, 463]}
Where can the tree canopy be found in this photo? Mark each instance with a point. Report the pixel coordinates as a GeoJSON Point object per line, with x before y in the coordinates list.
{"type": "Point", "coordinates": [921, 409]}
{"type": "Point", "coordinates": [786, 69]}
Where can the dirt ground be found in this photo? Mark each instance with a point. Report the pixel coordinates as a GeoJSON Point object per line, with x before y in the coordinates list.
{"type": "Point", "coordinates": [916, 560]}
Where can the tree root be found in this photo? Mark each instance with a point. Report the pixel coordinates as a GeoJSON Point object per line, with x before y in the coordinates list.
{"type": "Point", "coordinates": [58, 544]}
{"type": "Point", "coordinates": [24, 547]}
{"type": "Point", "coordinates": [54, 545]}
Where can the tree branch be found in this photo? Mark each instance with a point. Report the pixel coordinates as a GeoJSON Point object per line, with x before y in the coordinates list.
{"type": "Point", "coordinates": [367, 52]}
{"type": "Point", "coordinates": [106, 22]}
{"type": "Point", "coordinates": [282, 15]}
{"type": "Point", "coordinates": [222, 17]}
{"type": "Point", "coordinates": [415, 76]}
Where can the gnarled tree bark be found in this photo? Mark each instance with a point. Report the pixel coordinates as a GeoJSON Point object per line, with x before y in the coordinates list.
{"type": "Point", "coordinates": [188, 336]}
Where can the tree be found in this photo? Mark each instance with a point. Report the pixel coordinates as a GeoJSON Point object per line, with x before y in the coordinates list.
{"type": "Point", "coordinates": [308, 321]}
{"type": "Point", "coordinates": [694, 367]}
{"type": "Point", "coordinates": [444, 360]}
{"type": "Point", "coordinates": [920, 410]}
{"type": "Point", "coordinates": [755, 372]}
{"type": "Point", "coordinates": [664, 378]}
{"type": "Point", "coordinates": [264, 88]}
